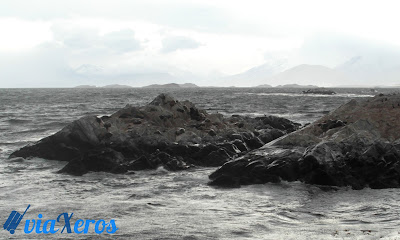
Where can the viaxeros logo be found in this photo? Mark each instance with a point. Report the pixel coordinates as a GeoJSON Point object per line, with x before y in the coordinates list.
{"type": "Point", "coordinates": [62, 224]}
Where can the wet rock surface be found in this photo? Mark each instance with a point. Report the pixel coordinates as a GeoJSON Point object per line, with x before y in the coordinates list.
{"type": "Point", "coordinates": [356, 145]}
{"type": "Point", "coordinates": [166, 132]}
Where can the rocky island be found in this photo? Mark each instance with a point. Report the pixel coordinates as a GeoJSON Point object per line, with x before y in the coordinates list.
{"type": "Point", "coordinates": [322, 91]}
{"type": "Point", "coordinates": [356, 145]}
{"type": "Point", "coordinates": [172, 85]}
{"type": "Point", "coordinates": [166, 132]}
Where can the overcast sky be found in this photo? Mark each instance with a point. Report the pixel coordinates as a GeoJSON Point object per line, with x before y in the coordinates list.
{"type": "Point", "coordinates": [47, 43]}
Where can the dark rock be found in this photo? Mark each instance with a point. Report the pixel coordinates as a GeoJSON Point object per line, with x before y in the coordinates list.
{"type": "Point", "coordinates": [204, 151]}
{"type": "Point", "coordinates": [107, 125]}
{"type": "Point", "coordinates": [376, 165]}
{"type": "Point", "coordinates": [169, 162]}
{"type": "Point", "coordinates": [256, 169]}
{"type": "Point", "coordinates": [125, 115]}
{"type": "Point", "coordinates": [269, 135]}
{"type": "Point", "coordinates": [99, 120]}
{"type": "Point", "coordinates": [330, 124]}
{"type": "Point", "coordinates": [136, 121]}
{"type": "Point", "coordinates": [69, 143]}
{"type": "Point", "coordinates": [240, 145]}
{"type": "Point", "coordinates": [176, 164]}
{"type": "Point", "coordinates": [277, 123]}
{"type": "Point", "coordinates": [162, 99]}
{"type": "Point", "coordinates": [96, 160]}
{"type": "Point", "coordinates": [217, 158]}
{"type": "Point", "coordinates": [230, 148]}
{"type": "Point", "coordinates": [225, 181]}
{"type": "Point", "coordinates": [166, 132]}
{"type": "Point", "coordinates": [196, 115]}
{"type": "Point", "coordinates": [360, 150]}
{"type": "Point", "coordinates": [141, 163]}
{"type": "Point", "coordinates": [247, 135]}
{"type": "Point", "coordinates": [319, 91]}
{"type": "Point", "coordinates": [212, 133]}
{"type": "Point", "coordinates": [254, 143]}
{"type": "Point", "coordinates": [235, 136]}
{"type": "Point", "coordinates": [180, 131]}
{"type": "Point", "coordinates": [165, 117]}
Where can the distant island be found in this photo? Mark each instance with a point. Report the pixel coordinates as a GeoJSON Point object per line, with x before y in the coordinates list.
{"type": "Point", "coordinates": [116, 86]}
{"type": "Point", "coordinates": [172, 85]}
{"type": "Point", "coordinates": [264, 86]}
{"type": "Point", "coordinates": [319, 91]}
{"type": "Point", "coordinates": [296, 86]}
{"type": "Point", "coordinates": [85, 86]}
{"type": "Point", "coordinates": [107, 86]}
{"type": "Point", "coordinates": [287, 86]}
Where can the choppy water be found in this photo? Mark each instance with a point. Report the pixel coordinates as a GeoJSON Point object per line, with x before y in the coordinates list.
{"type": "Point", "coordinates": [159, 204]}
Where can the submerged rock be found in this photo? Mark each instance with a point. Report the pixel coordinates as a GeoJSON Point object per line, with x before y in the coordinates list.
{"type": "Point", "coordinates": [356, 145]}
{"type": "Point", "coordinates": [166, 132]}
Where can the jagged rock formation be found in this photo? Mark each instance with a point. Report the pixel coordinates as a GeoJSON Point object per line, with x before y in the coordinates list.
{"type": "Point", "coordinates": [165, 132]}
{"type": "Point", "coordinates": [356, 145]}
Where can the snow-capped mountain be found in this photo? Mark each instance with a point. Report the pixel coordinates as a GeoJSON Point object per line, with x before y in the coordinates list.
{"type": "Point", "coordinates": [256, 75]}
{"type": "Point", "coordinates": [371, 71]}
{"type": "Point", "coordinates": [89, 70]}
{"type": "Point", "coordinates": [308, 75]}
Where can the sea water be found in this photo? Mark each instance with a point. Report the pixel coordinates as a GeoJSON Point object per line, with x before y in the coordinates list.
{"type": "Point", "coordinates": [158, 204]}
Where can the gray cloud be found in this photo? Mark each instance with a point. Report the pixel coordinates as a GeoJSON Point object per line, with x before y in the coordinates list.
{"type": "Point", "coordinates": [174, 43]}
{"type": "Point", "coordinates": [75, 37]}
{"type": "Point", "coordinates": [47, 66]}
{"type": "Point", "coordinates": [121, 41]}
{"type": "Point", "coordinates": [87, 38]}
{"type": "Point", "coordinates": [44, 66]}
{"type": "Point", "coordinates": [332, 48]}
{"type": "Point", "coordinates": [173, 13]}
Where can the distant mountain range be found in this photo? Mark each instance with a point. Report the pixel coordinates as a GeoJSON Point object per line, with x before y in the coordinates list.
{"type": "Point", "coordinates": [91, 74]}
{"type": "Point", "coordinates": [296, 86]}
{"type": "Point", "coordinates": [169, 85]}
{"type": "Point", "coordinates": [287, 86]}
{"type": "Point", "coordinates": [107, 86]}
{"type": "Point", "coordinates": [363, 70]}
{"type": "Point", "coordinates": [266, 76]}
{"type": "Point", "coordinates": [307, 75]}
{"type": "Point", "coordinates": [264, 86]}
{"type": "Point", "coordinates": [172, 85]}
{"type": "Point", "coordinates": [85, 86]}
{"type": "Point", "coordinates": [258, 74]}
{"type": "Point", "coordinates": [357, 71]}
